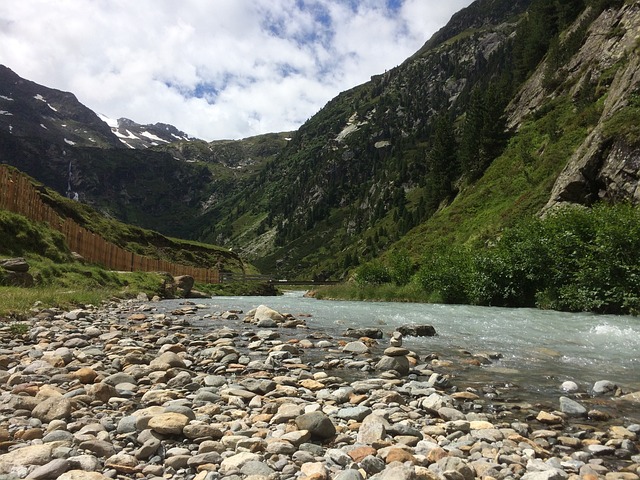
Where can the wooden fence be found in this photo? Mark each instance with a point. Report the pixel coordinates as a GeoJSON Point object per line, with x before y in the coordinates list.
{"type": "Point", "coordinates": [19, 195]}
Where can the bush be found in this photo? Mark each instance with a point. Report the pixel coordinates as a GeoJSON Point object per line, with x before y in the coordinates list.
{"type": "Point", "coordinates": [372, 273]}
{"type": "Point", "coordinates": [401, 268]}
{"type": "Point", "coordinates": [446, 273]}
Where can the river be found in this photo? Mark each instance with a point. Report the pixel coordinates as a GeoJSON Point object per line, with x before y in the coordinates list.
{"type": "Point", "coordinates": [539, 349]}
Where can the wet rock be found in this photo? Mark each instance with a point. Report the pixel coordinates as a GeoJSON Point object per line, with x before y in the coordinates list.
{"type": "Point", "coordinates": [355, 347]}
{"type": "Point", "coordinates": [417, 330]}
{"type": "Point", "coordinates": [374, 333]}
{"type": "Point", "coordinates": [572, 408]}
{"type": "Point", "coordinates": [569, 386]}
{"type": "Point", "coordinates": [604, 387]}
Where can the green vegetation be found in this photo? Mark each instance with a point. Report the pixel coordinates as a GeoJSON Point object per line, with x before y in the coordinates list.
{"type": "Point", "coordinates": [62, 281]}
{"type": "Point", "coordinates": [576, 259]}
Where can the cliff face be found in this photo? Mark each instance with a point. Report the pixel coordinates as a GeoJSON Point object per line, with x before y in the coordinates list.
{"type": "Point", "coordinates": [606, 71]}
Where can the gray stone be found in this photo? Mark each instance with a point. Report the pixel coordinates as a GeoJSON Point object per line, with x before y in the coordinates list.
{"type": "Point", "coordinates": [318, 424]}
{"type": "Point", "coordinates": [399, 364]}
{"type": "Point", "coordinates": [604, 387]}
{"type": "Point", "coordinates": [372, 464]}
{"type": "Point", "coordinates": [255, 467]}
{"type": "Point", "coordinates": [572, 408]}
{"type": "Point", "coordinates": [353, 413]}
{"type": "Point", "coordinates": [349, 475]}
{"type": "Point", "coordinates": [53, 469]}
{"type": "Point", "coordinates": [397, 472]}
{"type": "Point", "coordinates": [355, 347]}
{"type": "Point", "coordinates": [17, 264]}
{"type": "Point", "coordinates": [456, 465]}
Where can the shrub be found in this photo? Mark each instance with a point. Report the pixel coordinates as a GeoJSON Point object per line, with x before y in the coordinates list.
{"type": "Point", "coordinates": [373, 273]}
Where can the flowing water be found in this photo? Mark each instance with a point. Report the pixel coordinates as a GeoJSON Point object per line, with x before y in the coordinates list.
{"type": "Point", "coordinates": [539, 349]}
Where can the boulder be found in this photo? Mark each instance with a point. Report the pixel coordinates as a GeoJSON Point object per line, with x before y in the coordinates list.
{"type": "Point", "coordinates": [184, 284]}
{"type": "Point", "coordinates": [399, 364]}
{"type": "Point", "coordinates": [572, 408]}
{"type": "Point", "coordinates": [604, 387]}
{"type": "Point", "coordinates": [264, 313]}
{"type": "Point", "coordinates": [417, 330]}
{"type": "Point", "coordinates": [18, 264]}
{"type": "Point", "coordinates": [318, 424]}
{"type": "Point", "coordinates": [16, 279]}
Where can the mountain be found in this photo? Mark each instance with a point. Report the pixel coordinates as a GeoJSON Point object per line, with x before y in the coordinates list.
{"type": "Point", "coordinates": [153, 176]}
{"type": "Point", "coordinates": [509, 110]}
{"type": "Point", "coordinates": [137, 136]}
{"type": "Point", "coordinates": [30, 110]}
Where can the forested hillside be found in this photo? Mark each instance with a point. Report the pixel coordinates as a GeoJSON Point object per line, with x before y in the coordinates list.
{"type": "Point", "coordinates": [385, 157]}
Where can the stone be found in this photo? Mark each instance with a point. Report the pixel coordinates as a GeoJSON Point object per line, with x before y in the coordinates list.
{"type": "Point", "coordinates": [373, 429]}
{"type": "Point", "coordinates": [353, 413]}
{"type": "Point", "coordinates": [52, 469]}
{"type": "Point", "coordinates": [85, 375]}
{"type": "Point", "coordinates": [18, 264]}
{"type": "Point", "coordinates": [169, 423]}
{"type": "Point", "coordinates": [26, 456]}
{"type": "Point", "coordinates": [357, 347]}
{"type": "Point", "coordinates": [200, 431]}
{"type": "Point", "coordinates": [168, 360]}
{"type": "Point", "coordinates": [184, 283]}
{"type": "Point", "coordinates": [454, 467]}
{"type": "Point", "coordinates": [350, 474]}
{"type": "Point", "coordinates": [549, 418]}
{"type": "Point", "coordinates": [398, 364]}
{"type": "Point", "coordinates": [53, 409]}
{"type": "Point", "coordinates": [82, 475]}
{"type": "Point", "coordinates": [572, 408]}
{"type": "Point", "coordinates": [569, 386]}
{"type": "Point", "coordinates": [237, 461]}
{"type": "Point", "coordinates": [314, 471]}
{"type": "Point", "coordinates": [265, 313]}
{"type": "Point", "coordinates": [398, 472]}
{"type": "Point", "coordinates": [318, 424]}
{"type": "Point", "coordinates": [604, 387]}
{"type": "Point", "coordinates": [631, 397]}
{"type": "Point", "coordinates": [122, 463]}
{"type": "Point", "coordinates": [396, 352]}
{"type": "Point", "coordinates": [374, 333]}
{"type": "Point", "coordinates": [359, 453]}
{"type": "Point", "coordinates": [417, 330]}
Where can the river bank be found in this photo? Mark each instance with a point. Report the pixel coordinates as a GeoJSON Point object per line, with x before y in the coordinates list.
{"type": "Point", "coordinates": [141, 390]}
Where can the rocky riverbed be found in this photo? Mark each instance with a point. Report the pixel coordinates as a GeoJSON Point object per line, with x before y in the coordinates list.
{"type": "Point", "coordinates": [130, 390]}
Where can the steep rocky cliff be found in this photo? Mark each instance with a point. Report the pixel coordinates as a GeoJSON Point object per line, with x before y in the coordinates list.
{"type": "Point", "coordinates": [605, 71]}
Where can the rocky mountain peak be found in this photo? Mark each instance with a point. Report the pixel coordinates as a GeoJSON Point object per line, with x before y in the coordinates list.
{"type": "Point", "coordinates": [30, 110]}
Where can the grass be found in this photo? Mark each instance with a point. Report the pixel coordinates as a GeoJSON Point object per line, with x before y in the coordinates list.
{"type": "Point", "coordinates": [411, 293]}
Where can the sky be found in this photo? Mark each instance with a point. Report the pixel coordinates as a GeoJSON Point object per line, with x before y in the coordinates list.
{"type": "Point", "coordinates": [215, 69]}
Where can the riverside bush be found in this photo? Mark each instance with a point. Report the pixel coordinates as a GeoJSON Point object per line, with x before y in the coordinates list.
{"type": "Point", "coordinates": [575, 259]}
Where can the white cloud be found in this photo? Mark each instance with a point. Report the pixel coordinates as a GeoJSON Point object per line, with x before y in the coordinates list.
{"type": "Point", "coordinates": [213, 68]}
